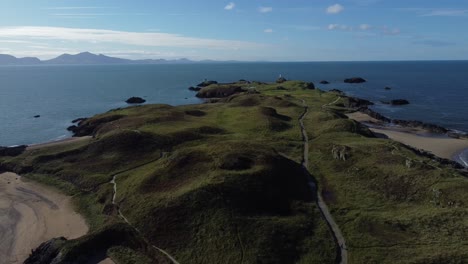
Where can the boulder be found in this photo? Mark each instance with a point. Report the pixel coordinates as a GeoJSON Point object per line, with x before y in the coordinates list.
{"type": "Point", "coordinates": [47, 252]}
{"type": "Point", "coordinates": [37, 116]}
{"type": "Point", "coordinates": [355, 80]}
{"type": "Point", "coordinates": [399, 102]}
{"type": "Point", "coordinates": [324, 82]}
{"type": "Point", "coordinates": [354, 102]}
{"type": "Point", "coordinates": [135, 100]}
{"type": "Point", "coordinates": [310, 86]}
{"type": "Point", "coordinates": [194, 89]}
{"type": "Point", "coordinates": [206, 83]}
{"type": "Point", "coordinates": [387, 88]}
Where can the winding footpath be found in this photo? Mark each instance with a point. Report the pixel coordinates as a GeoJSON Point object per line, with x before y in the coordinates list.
{"type": "Point", "coordinates": [114, 197]}
{"type": "Point", "coordinates": [342, 258]}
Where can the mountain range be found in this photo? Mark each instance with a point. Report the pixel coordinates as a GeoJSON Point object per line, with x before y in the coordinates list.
{"type": "Point", "coordinates": [84, 58]}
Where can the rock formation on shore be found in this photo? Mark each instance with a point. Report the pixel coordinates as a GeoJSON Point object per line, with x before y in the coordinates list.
{"type": "Point", "coordinates": [135, 100]}
{"type": "Point", "coordinates": [355, 80]}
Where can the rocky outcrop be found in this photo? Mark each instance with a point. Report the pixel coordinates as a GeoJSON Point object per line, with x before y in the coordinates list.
{"type": "Point", "coordinates": [37, 116]}
{"type": "Point", "coordinates": [324, 82]}
{"type": "Point", "coordinates": [87, 127]}
{"type": "Point", "coordinates": [12, 151]}
{"type": "Point", "coordinates": [219, 91]}
{"type": "Point", "coordinates": [47, 252]}
{"type": "Point", "coordinates": [341, 152]}
{"type": "Point", "coordinates": [336, 91]}
{"type": "Point", "coordinates": [206, 83]}
{"type": "Point", "coordinates": [355, 80]}
{"type": "Point", "coordinates": [281, 80]}
{"type": "Point", "coordinates": [310, 86]}
{"type": "Point", "coordinates": [194, 89]}
{"type": "Point", "coordinates": [418, 124]}
{"type": "Point", "coordinates": [135, 100]}
{"type": "Point", "coordinates": [354, 102]}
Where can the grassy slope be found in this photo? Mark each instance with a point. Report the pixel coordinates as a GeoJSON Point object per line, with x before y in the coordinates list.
{"type": "Point", "coordinates": [210, 183]}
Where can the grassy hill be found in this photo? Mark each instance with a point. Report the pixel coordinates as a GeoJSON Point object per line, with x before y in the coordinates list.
{"type": "Point", "coordinates": [222, 183]}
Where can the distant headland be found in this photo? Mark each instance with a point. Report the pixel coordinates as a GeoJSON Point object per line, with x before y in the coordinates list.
{"type": "Point", "coordinates": [87, 58]}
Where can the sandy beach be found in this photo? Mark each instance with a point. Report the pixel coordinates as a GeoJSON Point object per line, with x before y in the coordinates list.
{"type": "Point", "coordinates": [441, 146]}
{"type": "Point", "coordinates": [31, 213]}
{"type": "Point", "coordinates": [58, 142]}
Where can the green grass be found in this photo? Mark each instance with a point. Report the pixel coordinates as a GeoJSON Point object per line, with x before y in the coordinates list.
{"type": "Point", "coordinates": [210, 183]}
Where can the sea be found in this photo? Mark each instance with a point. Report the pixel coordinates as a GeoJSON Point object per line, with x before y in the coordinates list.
{"type": "Point", "coordinates": [437, 90]}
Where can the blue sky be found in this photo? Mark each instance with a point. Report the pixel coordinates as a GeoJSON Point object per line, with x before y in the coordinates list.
{"type": "Point", "coordinates": [294, 30]}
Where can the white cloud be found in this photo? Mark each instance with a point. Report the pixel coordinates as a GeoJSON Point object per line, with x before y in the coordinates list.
{"type": "Point", "coordinates": [335, 9]}
{"type": "Point", "coordinates": [265, 9]}
{"type": "Point", "coordinates": [147, 39]}
{"type": "Point", "coordinates": [268, 30]}
{"type": "Point", "coordinates": [230, 6]}
{"type": "Point", "coordinates": [365, 27]}
{"type": "Point", "coordinates": [339, 27]}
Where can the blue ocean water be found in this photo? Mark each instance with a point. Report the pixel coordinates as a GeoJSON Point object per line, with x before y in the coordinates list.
{"type": "Point", "coordinates": [438, 91]}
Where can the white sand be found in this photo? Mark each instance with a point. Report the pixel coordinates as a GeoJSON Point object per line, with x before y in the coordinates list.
{"type": "Point", "coordinates": [444, 147]}
{"type": "Point", "coordinates": [30, 214]}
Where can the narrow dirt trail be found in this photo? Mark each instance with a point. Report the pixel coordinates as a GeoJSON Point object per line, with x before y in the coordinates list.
{"type": "Point", "coordinates": [114, 197]}
{"type": "Point", "coordinates": [338, 236]}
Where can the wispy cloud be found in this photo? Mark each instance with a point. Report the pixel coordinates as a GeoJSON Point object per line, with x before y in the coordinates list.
{"type": "Point", "coordinates": [268, 30]}
{"type": "Point", "coordinates": [365, 27]}
{"type": "Point", "coordinates": [230, 6]}
{"type": "Point", "coordinates": [78, 7]}
{"type": "Point", "coordinates": [339, 27]}
{"type": "Point", "coordinates": [335, 9]}
{"type": "Point", "coordinates": [446, 12]}
{"type": "Point", "coordinates": [148, 39]}
{"type": "Point", "coordinates": [265, 9]}
{"type": "Point", "coordinates": [441, 12]}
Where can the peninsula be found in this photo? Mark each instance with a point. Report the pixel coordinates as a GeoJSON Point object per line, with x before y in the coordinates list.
{"type": "Point", "coordinates": [260, 173]}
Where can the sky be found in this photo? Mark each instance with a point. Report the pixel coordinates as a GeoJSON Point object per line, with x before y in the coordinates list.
{"type": "Point", "coordinates": [245, 30]}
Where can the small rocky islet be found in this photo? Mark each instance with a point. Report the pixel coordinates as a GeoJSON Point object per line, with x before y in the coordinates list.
{"type": "Point", "coordinates": [225, 178]}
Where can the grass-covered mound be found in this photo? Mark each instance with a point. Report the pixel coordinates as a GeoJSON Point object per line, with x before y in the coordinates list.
{"type": "Point", "coordinates": [222, 183]}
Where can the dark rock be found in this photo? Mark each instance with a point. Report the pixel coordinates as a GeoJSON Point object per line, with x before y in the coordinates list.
{"type": "Point", "coordinates": [418, 124]}
{"type": "Point", "coordinates": [219, 92]}
{"type": "Point", "coordinates": [47, 252]}
{"type": "Point", "coordinates": [387, 88]}
{"type": "Point", "coordinates": [310, 86]}
{"type": "Point", "coordinates": [12, 151]}
{"type": "Point", "coordinates": [195, 89]}
{"type": "Point", "coordinates": [354, 102]}
{"type": "Point", "coordinates": [206, 83]}
{"type": "Point", "coordinates": [385, 102]}
{"type": "Point", "coordinates": [336, 91]}
{"type": "Point", "coordinates": [135, 100]}
{"type": "Point", "coordinates": [355, 80]}
{"type": "Point", "coordinates": [37, 116]}
{"type": "Point", "coordinates": [88, 127]}
{"type": "Point", "coordinates": [281, 80]}
{"type": "Point", "coordinates": [79, 120]}
{"type": "Point", "coordinates": [399, 102]}
{"type": "Point", "coordinates": [324, 82]}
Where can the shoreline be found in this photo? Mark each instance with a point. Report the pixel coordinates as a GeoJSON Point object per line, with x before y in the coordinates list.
{"type": "Point", "coordinates": [440, 145]}
{"type": "Point", "coordinates": [32, 213]}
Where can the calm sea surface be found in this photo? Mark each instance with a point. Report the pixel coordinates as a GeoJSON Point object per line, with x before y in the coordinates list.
{"type": "Point", "coordinates": [438, 91]}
